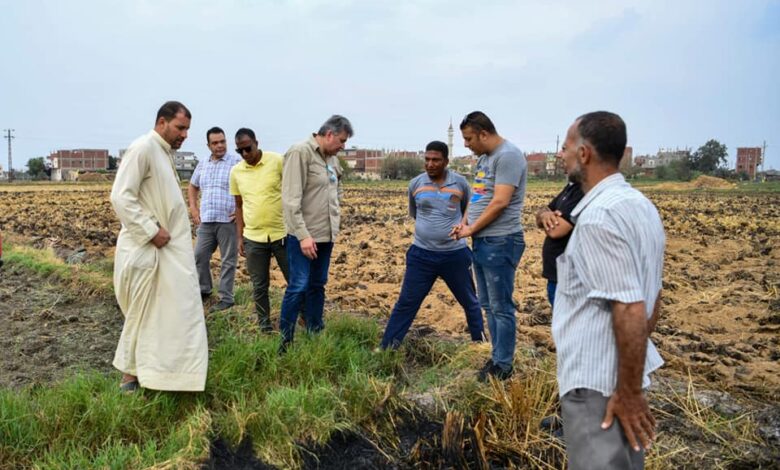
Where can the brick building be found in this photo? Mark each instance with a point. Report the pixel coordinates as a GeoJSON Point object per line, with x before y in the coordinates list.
{"type": "Point", "coordinates": [363, 160]}
{"type": "Point", "coordinates": [665, 157]}
{"type": "Point", "coordinates": [367, 163]}
{"type": "Point", "coordinates": [748, 159]}
{"type": "Point", "coordinates": [537, 163]}
{"type": "Point", "coordinates": [65, 163]}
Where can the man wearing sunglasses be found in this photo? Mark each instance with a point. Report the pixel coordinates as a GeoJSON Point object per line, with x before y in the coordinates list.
{"type": "Point", "coordinates": [310, 196]}
{"type": "Point", "coordinates": [256, 183]}
{"type": "Point", "coordinates": [215, 218]}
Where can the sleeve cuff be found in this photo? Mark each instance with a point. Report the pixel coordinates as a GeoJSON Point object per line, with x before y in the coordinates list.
{"type": "Point", "coordinates": [626, 297]}
{"type": "Point", "coordinates": [150, 229]}
{"type": "Point", "coordinates": [301, 234]}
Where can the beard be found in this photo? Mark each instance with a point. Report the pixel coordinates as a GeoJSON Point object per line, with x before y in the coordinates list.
{"type": "Point", "coordinates": [575, 175]}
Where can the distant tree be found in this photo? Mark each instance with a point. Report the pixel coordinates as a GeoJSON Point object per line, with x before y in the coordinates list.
{"type": "Point", "coordinates": [634, 172]}
{"type": "Point", "coordinates": [662, 172]}
{"type": "Point", "coordinates": [36, 167]}
{"type": "Point", "coordinates": [725, 173]}
{"type": "Point", "coordinates": [401, 168]}
{"type": "Point", "coordinates": [709, 157]}
{"type": "Point", "coordinates": [346, 170]}
{"type": "Point", "coordinates": [112, 163]}
{"type": "Point", "coordinates": [681, 170]}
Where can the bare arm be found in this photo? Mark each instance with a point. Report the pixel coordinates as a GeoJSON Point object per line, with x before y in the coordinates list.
{"type": "Point", "coordinates": [501, 198]}
{"type": "Point", "coordinates": [192, 197]}
{"type": "Point", "coordinates": [630, 324]}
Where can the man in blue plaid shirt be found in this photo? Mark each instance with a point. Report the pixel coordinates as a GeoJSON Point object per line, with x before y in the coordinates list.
{"type": "Point", "coordinates": [215, 218]}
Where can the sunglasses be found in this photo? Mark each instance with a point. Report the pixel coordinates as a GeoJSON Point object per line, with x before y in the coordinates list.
{"type": "Point", "coordinates": [243, 150]}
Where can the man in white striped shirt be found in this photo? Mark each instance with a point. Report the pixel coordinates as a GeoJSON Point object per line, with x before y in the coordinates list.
{"type": "Point", "coordinates": [607, 303]}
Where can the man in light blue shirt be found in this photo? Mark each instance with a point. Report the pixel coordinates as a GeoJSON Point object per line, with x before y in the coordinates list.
{"type": "Point", "coordinates": [215, 218]}
{"type": "Point", "coordinates": [438, 200]}
{"type": "Point", "coordinates": [607, 303]}
{"type": "Point", "coordinates": [494, 223]}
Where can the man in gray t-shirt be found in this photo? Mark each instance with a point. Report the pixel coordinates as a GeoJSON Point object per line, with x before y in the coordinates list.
{"type": "Point", "coordinates": [494, 222]}
{"type": "Point", "coordinates": [438, 200]}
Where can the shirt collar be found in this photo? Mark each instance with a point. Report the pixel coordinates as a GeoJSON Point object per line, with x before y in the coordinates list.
{"type": "Point", "coordinates": [609, 182]}
{"type": "Point", "coordinates": [449, 178]}
{"type": "Point", "coordinates": [259, 164]}
{"type": "Point", "coordinates": [313, 144]}
{"type": "Point", "coordinates": [165, 145]}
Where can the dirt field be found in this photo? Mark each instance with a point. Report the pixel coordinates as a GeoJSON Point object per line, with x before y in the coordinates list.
{"type": "Point", "coordinates": [722, 305]}
{"type": "Point", "coordinates": [47, 332]}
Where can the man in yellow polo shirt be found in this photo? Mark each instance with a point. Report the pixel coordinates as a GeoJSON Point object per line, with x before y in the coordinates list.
{"type": "Point", "coordinates": [256, 184]}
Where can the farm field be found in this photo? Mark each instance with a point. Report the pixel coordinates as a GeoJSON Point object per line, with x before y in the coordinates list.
{"type": "Point", "coordinates": [720, 324]}
{"type": "Point", "coordinates": [721, 318]}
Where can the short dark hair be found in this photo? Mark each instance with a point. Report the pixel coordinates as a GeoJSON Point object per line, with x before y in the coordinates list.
{"type": "Point", "coordinates": [439, 146]}
{"type": "Point", "coordinates": [478, 121]}
{"type": "Point", "coordinates": [246, 131]}
{"type": "Point", "coordinates": [214, 130]}
{"type": "Point", "coordinates": [170, 109]}
{"type": "Point", "coordinates": [606, 132]}
{"type": "Point", "coordinates": [336, 124]}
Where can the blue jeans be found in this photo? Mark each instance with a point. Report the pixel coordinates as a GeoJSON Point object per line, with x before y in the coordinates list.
{"type": "Point", "coordinates": [422, 268]}
{"type": "Point", "coordinates": [551, 287]}
{"type": "Point", "coordinates": [495, 264]}
{"type": "Point", "coordinates": [307, 284]}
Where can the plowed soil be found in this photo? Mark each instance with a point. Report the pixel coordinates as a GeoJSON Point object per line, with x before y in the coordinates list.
{"type": "Point", "coordinates": [721, 315]}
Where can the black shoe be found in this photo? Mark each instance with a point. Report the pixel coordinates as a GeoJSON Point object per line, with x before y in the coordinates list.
{"type": "Point", "coordinates": [492, 370]}
{"type": "Point", "coordinates": [222, 305]}
{"type": "Point", "coordinates": [553, 425]}
{"type": "Point", "coordinates": [485, 370]}
{"type": "Point", "coordinates": [205, 296]}
{"type": "Point", "coordinates": [283, 347]}
{"type": "Point", "coordinates": [265, 328]}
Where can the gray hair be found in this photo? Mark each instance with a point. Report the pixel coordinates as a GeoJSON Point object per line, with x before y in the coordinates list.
{"type": "Point", "coordinates": [336, 124]}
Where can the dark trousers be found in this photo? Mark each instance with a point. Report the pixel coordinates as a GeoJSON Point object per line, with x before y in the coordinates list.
{"type": "Point", "coordinates": [258, 263]}
{"type": "Point", "coordinates": [551, 288]}
{"type": "Point", "coordinates": [306, 287]}
{"type": "Point", "coordinates": [423, 267]}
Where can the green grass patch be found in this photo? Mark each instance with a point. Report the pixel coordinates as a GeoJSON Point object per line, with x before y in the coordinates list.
{"type": "Point", "coordinates": [325, 383]}
{"type": "Point", "coordinates": [87, 279]}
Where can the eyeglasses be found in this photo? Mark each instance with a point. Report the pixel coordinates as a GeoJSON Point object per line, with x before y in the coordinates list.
{"type": "Point", "coordinates": [243, 150]}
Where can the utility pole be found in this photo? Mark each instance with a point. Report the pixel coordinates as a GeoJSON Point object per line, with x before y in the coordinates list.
{"type": "Point", "coordinates": [557, 139]}
{"type": "Point", "coordinates": [763, 157]}
{"type": "Point", "coordinates": [10, 160]}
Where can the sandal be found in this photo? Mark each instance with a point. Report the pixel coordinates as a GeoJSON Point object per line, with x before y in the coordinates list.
{"type": "Point", "coordinates": [129, 387]}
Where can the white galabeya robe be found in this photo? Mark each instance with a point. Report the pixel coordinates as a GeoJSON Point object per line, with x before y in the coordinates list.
{"type": "Point", "coordinates": [163, 340]}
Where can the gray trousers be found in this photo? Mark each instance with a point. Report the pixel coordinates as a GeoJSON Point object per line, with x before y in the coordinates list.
{"type": "Point", "coordinates": [211, 235]}
{"type": "Point", "coordinates": [587, 445]}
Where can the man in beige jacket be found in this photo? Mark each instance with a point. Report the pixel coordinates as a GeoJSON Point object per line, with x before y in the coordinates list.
{"type": "Point", "coordinates": [310, 202]}
{"type": "Point", "coordinates": [163, 343]}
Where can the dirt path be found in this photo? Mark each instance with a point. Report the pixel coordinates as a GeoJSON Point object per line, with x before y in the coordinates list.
{"type": "Point", "coordinates": [47, 331]}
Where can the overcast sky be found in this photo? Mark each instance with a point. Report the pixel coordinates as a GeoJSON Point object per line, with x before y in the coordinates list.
{"type": "Point", "coordinates": [92, 74]}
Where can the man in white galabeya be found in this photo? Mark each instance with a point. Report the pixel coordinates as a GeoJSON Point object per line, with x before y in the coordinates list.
{"type": "Point", "coordinates": [163, 343]}
{"type": "Point", "coordinates": [607, 303]}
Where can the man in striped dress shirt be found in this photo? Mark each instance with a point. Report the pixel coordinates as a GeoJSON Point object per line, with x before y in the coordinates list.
{"type": "Point", "coordinates": [607, 303]}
